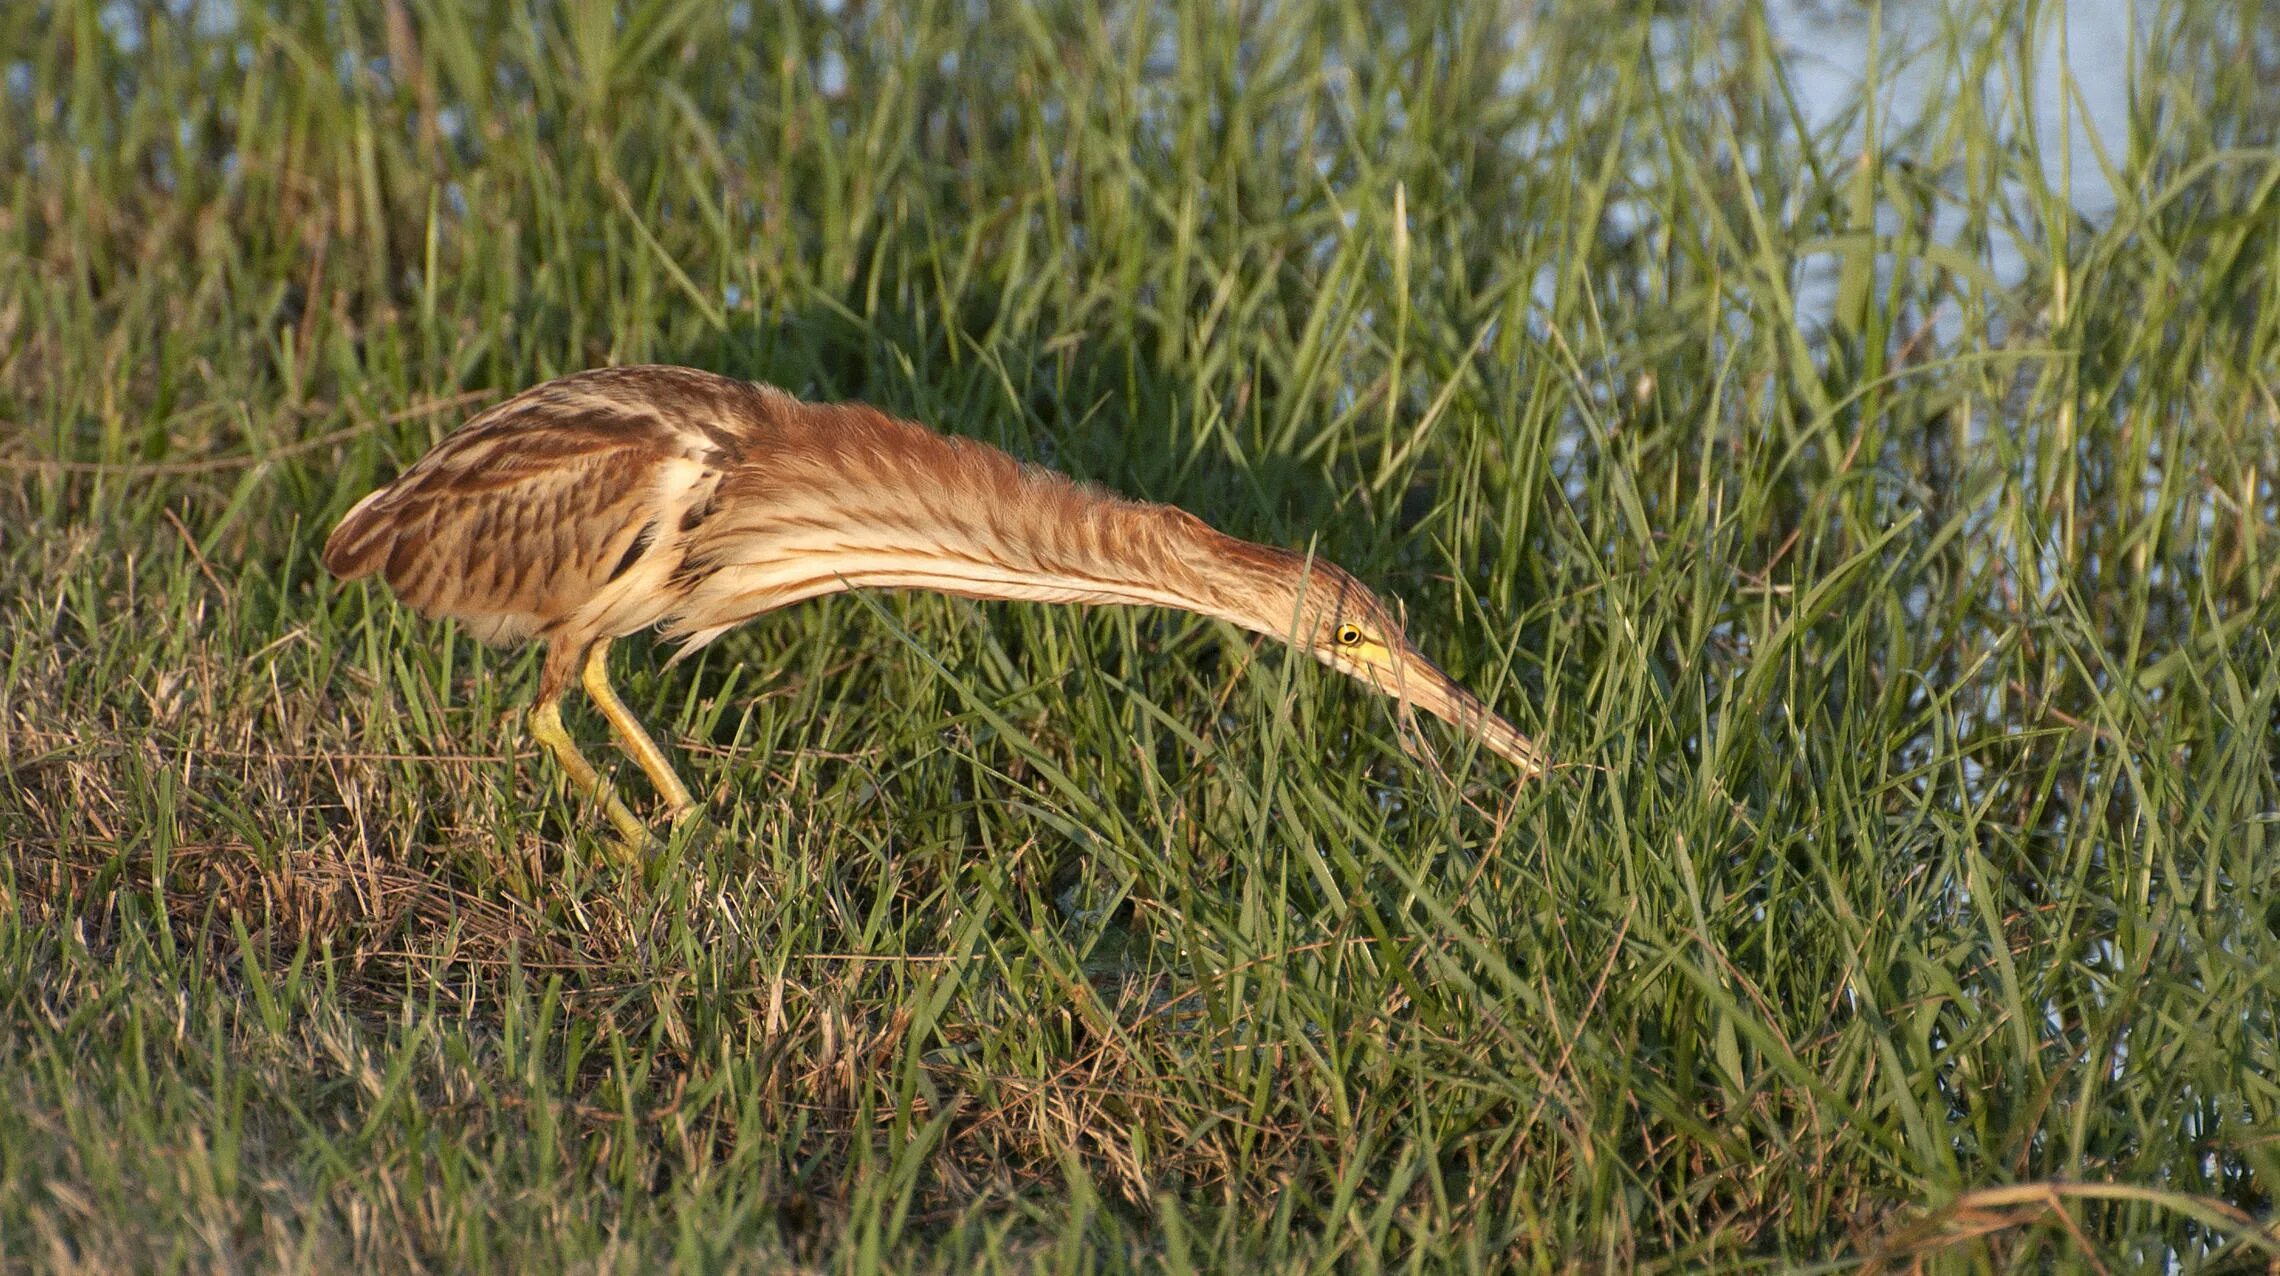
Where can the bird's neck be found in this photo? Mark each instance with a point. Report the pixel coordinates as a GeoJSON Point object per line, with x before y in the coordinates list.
{"type": "Point", "coordinates": [1162, 555]}
{"type": "Point", "coordinates": [970, 522]}
{"type": "Point", "coordinates": [1075, 547]}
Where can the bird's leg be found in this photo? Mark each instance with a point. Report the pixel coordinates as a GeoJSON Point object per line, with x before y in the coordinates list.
{"type": "Point", "coordinates": [546, 724]}
{"type": "Point", "coordinates": [632, 738]}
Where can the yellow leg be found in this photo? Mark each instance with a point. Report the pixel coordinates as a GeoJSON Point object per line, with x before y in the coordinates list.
{"type": "Point", "coordinates": [636, 742]}
{"type": "Point", "coordinates": [546, 724]}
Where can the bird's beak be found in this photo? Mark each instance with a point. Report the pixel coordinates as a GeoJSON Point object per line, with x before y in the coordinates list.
{"type": "Point", "coordinates": [1413, 679]}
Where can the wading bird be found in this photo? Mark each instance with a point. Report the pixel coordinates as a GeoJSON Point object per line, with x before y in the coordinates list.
{"type": "Point", "coordinates": [614, 500]}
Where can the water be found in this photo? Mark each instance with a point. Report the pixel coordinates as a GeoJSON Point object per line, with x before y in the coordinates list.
{"type": "Point", "coordinates": [2076, 104]}
{"type": "Point", "coordinates": [2085, 47]}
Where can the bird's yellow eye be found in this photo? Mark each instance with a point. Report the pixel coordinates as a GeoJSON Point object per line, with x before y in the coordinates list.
{"type": "Point", "coordinates": [1349, 635]}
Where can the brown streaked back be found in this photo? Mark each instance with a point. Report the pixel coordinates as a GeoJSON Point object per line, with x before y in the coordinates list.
{"type": "Point", "coordinates": [522, 516]}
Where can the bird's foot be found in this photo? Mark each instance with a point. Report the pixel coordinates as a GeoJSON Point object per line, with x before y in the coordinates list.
{"type": "Point", "coordinates": [687, 832]}
{"type": "Point", "coordinates": [692, 830]}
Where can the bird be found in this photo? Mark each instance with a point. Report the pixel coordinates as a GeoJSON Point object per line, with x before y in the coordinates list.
{"type": "Point", "coordinates": [619, 499]}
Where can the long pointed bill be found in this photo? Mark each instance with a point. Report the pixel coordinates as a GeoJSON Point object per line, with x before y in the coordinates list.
{"type": "Point", "coordinates": [1415, 680]}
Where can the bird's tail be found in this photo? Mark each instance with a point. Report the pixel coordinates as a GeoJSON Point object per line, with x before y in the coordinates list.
{"type": "Point", "coordinates": [360, 544]}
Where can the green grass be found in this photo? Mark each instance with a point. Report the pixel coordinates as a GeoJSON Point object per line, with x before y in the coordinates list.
{"type": "Point", "coordinates": [1910, 896]}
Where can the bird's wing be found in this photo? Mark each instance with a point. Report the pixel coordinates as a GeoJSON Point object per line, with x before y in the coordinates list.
{"type": "Point", "coordinates": [524, 515]}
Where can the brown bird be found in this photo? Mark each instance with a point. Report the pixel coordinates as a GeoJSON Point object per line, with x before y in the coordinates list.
{"type": "Point", "coordinates": [614, 500]}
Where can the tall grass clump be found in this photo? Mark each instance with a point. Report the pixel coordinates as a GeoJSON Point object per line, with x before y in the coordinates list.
{"type": "Point", "coordinates": [1881, 536]}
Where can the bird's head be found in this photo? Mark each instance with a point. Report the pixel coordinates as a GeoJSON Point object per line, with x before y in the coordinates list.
{"type": "Point", "coordinates": [1325, 611]}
